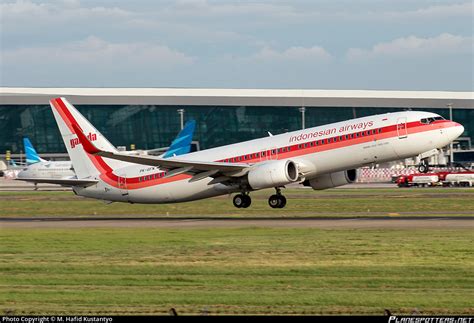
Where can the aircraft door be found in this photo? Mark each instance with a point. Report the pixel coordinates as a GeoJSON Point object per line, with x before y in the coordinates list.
{"type": "Point", "coordinates": [402, 128]}
{"type": "Point", "coordinates": [122, 186]}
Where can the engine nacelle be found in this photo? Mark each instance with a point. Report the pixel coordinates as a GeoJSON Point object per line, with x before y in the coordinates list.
{"type": "Point", "coordinates": [273, 174]}
{"type": "Point", "coordinates": [332, 180]}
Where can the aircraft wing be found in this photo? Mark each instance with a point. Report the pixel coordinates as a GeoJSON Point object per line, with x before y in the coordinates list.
{"type": "Point", "coordinates": [60, 181]}
{"type": "Point", "coordinates": [177, 166]}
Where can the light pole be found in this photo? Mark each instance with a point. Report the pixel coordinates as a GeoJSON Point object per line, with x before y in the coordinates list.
{"type": "Point", "coordinates": [302, 110]}
{"type": "Point", "coordinates": [451, 155]}
{"type": "Point", "coordinates": [181, 115]}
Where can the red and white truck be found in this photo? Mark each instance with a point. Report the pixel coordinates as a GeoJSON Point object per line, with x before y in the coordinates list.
{"type": "Point", "coordinates": [465, 179]}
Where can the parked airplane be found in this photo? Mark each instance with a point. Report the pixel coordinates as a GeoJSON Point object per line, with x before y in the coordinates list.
{"type": "Point", "coordinates": [320, 157]}
{"type": "Point", "coordinates": [43, 171]}
{"type": "Point", "coordinates": [40, 168]}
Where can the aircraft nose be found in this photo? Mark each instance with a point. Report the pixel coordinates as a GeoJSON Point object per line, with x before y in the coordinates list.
{"type": "Point", "coordinates": [459, 129]}
{"type": "Point", "coordinates": [456, 130]}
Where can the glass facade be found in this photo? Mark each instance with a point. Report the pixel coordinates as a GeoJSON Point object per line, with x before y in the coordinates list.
{"type": "Point", "coordinates": [148, 126]}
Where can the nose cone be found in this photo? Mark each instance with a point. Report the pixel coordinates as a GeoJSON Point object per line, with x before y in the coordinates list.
{"type": "Point", "coordinates": [454, 131]}
{"type": "Point", "coordinates": [458, 129]}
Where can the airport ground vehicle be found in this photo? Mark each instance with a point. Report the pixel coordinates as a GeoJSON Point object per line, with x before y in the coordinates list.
{"type": "Point", "coordinates": [437, 179]}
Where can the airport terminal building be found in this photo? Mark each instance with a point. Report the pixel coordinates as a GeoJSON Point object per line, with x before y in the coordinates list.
{"type": "Point", "coordinates": [148, 118]}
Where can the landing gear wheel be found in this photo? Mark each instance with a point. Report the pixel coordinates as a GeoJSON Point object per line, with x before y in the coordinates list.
{"type": "Point", "coordinates": [274, 201]}
{"type": "Point", "coordinates": [242, 201]}
{"type": "Point", "coordinates": [247, 201]}
{"type": "Point", "coordinates": [423, 167]}
{"type": "Point", "coordinates": [277, 201]}
{"type": "Point", "coordinates": [282, 202]}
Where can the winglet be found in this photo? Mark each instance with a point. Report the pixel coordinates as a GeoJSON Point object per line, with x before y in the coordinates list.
{"type": "Point", "coordinates": [86, 144]}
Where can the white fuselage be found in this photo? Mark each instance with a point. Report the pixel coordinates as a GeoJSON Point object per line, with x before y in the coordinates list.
{"type": "Point", "coordinates": [317, 151]}
{"type": "Point", "coordinates": [48, 169]}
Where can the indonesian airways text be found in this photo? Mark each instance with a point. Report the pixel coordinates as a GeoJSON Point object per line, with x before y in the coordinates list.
{"type": "Point", "coordinates": [330, 131]}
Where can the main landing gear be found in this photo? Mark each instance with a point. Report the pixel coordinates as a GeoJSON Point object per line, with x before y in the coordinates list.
{"type": "Point", "coordinates": [242, 200]}
{"type": "Point", "coordinates": [277, 201]}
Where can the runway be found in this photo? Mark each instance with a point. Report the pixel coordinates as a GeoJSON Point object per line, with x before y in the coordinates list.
{"type": "Point", "coordinates": [227, 222]}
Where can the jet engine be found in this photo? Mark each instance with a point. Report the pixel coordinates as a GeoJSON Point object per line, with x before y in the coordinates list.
{"type": "Point", "coordinates": [332, 180]}
{"type": "Point", "coordinates": [273, 174]}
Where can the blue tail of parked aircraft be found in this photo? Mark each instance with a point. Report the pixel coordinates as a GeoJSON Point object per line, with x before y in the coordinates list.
{"type": "Point", "coordinates": [182, 144]}
{"type": "Point", "coordinates": [31, 154]}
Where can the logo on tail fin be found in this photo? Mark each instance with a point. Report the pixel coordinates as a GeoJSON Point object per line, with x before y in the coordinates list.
{"type": "Point", "coordinates": [75, 141]}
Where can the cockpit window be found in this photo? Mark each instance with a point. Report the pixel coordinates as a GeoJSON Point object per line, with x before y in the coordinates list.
{"type": "Point", "coordinates": [431, 120]}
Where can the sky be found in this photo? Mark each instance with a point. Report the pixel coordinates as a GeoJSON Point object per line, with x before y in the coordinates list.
{"type": "Point", "coordinates": [312, 44]}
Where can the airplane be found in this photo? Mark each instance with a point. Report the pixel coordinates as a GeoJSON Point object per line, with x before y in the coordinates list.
{"type": "Point", "coordinates": [320, 157]}
{"type": "Point", "coordinates": [38, 167]}
{"type": "Point", "coordinates": [62, 172]}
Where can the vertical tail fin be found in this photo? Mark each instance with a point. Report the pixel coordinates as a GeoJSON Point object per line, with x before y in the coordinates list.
{"type": "Point", "coordinates": [85, 165]}
{"type": "Point", "coordinates": [182, 144]}
{"type": "Point", "coordinates": [32, 156]}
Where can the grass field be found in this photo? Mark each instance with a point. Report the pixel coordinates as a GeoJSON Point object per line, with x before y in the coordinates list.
{"type": "Point", "coordinates": [240, 270]}
{"type": "Point", "coordinates": [236, 271]}
{"type": "Point", "coordinates": [301, 203]}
